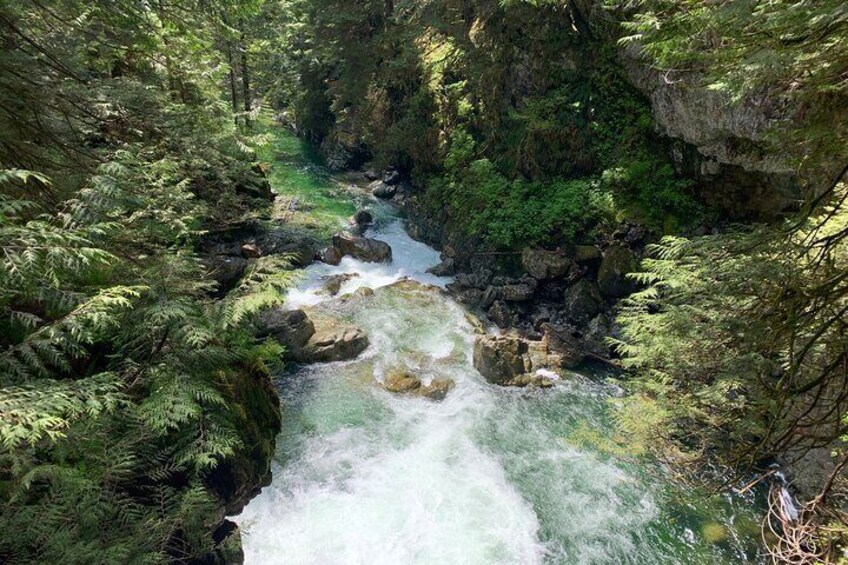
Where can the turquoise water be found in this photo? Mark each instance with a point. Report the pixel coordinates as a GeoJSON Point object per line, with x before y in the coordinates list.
{"type": "Point", "coordinates": [489, 475]}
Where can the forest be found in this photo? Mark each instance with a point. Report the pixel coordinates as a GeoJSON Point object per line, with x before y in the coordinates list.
{"type": "Point", "coordinates": [324, 281]}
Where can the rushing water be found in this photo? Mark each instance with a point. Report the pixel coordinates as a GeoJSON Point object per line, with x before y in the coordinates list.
{"type": "Point", "coordinates": [488, 476]}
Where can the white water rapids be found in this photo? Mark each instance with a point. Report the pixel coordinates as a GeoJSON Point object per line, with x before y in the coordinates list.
{"type": "Point", "coordinates": [488, 476]}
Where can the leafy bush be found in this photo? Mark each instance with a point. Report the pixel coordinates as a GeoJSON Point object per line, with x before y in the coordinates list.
{"type": "Point", "coordinates": [513, 213]}
{"type": "Point", "coordinates": [654, 193]}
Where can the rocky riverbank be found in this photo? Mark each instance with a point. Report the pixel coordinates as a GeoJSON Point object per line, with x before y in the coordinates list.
{"type": "Point", "coordinates": [559, 300]}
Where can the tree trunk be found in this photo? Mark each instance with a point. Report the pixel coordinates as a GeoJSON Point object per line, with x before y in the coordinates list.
{"type": "Point", "coordinates": [233, 89]}
{"type": "Point", "coordinates": [245, 77]}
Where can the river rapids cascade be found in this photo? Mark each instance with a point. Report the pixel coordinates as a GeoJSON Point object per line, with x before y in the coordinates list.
{"type": "Point", "coordinates": [489, 475]}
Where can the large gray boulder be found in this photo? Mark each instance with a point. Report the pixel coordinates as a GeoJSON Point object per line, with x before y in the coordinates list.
{"type": "Point", "coordinates": [226, 270]}
{"type": "Point", "coordinates": [330, 256]}
{"type": "Point", "coordinates": [291, 328]}
{"type": "Point", "coordinates": [304, 344]}
{"type": "Point", "coordinates": [582, 301]}
{"type": "Point", "coordinates": [363, 248]}
{"type": "Point", "coordinates": [612, 276]}
{"type": "Point", "coordinates": [382, 190]}
{"type": "Point", "coordinates": [333, 344]}
{"type": "Point", "coordinates": [499, 358]}
{"type": "Point", "coordinates": [543, 265]}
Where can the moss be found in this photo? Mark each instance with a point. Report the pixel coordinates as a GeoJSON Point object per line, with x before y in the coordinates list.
{"type": "Point", "coordinates": [255, 414]}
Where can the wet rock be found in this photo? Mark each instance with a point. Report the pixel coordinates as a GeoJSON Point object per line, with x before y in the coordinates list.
{"type": "Point", "coordinates": [334, 344]}
{"type": "Point", "coordinates": [363, 218]}
{"type": "Point", "coordinates": [226, 270]}
{"type": "Point", "coordinates": [382, 190]}
{"type": "Point", "coordinates": [371, 175]}
{"type": "Point", "coordinates": [502, 314]}
{"type": "Point", "coordinates": [292, 328]}
{"type": "Point", "coordinates": [476, 323]}
{"type": "Point", "coordinates": [363, 248]}
{"type": "Point", "coordinates": [510, 360]}
{"type": "Point", "coordinates": [250, 251]}
{"type": "Point", "coordinates": [438, 389]}
{"type": "Point", "coordinates": [516, 292]}
{"type": "Point", "coordinates": [401, 382]}
{"type": "Point", "coordinates": [612, 276]}
{"type": "Point", "coordinates": [478, 279]}
{"type": "Point", "coordinates": [391, 177]}
{"type": "Point", "coordinates": [334, 283]}
{"type": "Point", "coordinates": [471, 296]}
{"type": "Point", "coordinates": [563, 345]}
{"type": "Point", "coordinates": [364, 291]}
{"type": "Point", "coordinates": [444, 269]}
{"type": "Point", "coordinates": [543, 265]}
{"type": "Point", "coordinates": [582, 301]}
{"type": "Point", "coordinates": [587, 254]}
{"type": "Point", "coordinates": [531, 380]}
{"type": "Point", "coordinates": [498, 358]}
{"type": "Point", "coordinates": [330, 256]}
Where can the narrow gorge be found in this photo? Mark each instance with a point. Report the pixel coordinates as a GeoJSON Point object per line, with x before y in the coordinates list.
{"type": "Point", "coordinates": [487, 282]}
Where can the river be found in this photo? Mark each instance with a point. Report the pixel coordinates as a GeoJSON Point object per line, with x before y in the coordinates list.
{"type": "Point", "coordinates": [487, 476]}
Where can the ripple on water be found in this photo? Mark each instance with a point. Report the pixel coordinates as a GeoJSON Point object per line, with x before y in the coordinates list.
{"type": "Point", "coordinates": [487, 476]}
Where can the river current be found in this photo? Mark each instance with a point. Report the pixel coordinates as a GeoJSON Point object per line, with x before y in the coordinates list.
{"type": "Point", "coordinates": [489, 475]}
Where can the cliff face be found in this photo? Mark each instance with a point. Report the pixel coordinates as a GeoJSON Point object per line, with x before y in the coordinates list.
{"type": "Point", "coordinates": [738, 149]}
{"type": "Point", "coordinates": [255, 411]}
{"type": "Point", "coordinates": [547, 90]}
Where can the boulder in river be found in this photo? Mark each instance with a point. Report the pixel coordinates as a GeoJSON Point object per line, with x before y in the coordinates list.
{"type": "Point", "coordinates": [438, 389]}
{"type": "Point", "coordinates": [333, 283]}
{"type": "Point", "coordinates": [503, 359]}
{"type": "Point", "coordinates": [612, 276]}
{"type": "Point", "coordinates": [400, 382]}
{"type": "Point", "coordinates": [333, 344]}
{"type": "Point", "coordinates": [382, 190]}
{"type": "Point", "coordinates": [499, 358]}
{"type": "Point", "coordinates": [404, 382]}
{"type": "Point", "coordinates": [363, 248]}
{"type": "Point", "coordinates": [304, 344]}
{"type": "Point", "coordinates": [363, 219]}
{"type": "Point", "coordinates": [330, 256]}
{"type": "Point", "coordinates": [291, 328]}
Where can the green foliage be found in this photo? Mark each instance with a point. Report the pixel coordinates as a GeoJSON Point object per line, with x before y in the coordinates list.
{"type": "Point", "coordinates": [654, 192]}
{"type": "Point", "coordinates": [120, 375]}
{"type": "Point", "coordinates": [738, 343]}
{"type": "Point", "coordinates": [794, 52]}
{"type": "Point", "coordinates": [516, 213]}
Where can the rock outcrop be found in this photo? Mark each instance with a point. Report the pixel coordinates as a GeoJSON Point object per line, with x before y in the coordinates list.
{"type": "Point", "coordinates": [510, 360]}
{"type": "Point", "coordinates": [333, 344]}
{"type": "Point", "coordinates": [363, 248]}
{"type": "Point", "coordinates": [382, 190]}
{"type": "Point", "coordinates": [544, 265]}
{"type": "Point", "coordinates": [404, 382]}
{"type": "Point", "coordinates": [618, 262]}
{"type": "Point", "coordinates": [307, 344]}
